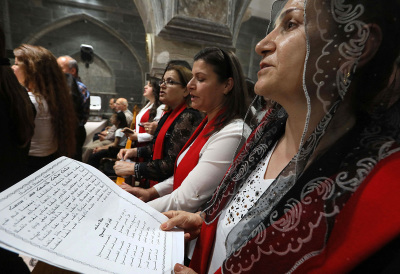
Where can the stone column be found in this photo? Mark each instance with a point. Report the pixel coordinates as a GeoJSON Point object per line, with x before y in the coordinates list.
{"type": "Point", "coordinates": [177, 29]}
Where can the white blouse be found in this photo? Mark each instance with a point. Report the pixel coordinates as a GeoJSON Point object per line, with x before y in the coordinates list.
{"type": "Point", "coordinates": [145, 137]}
{"type": "Point", "coordinates": [43, 142]}
{"type": "Point", "coordinates": [246, 197]}
{"type": "Point", "coordinates": [120, 134]}
{"type": "Point", "coordinates": [214, 160]}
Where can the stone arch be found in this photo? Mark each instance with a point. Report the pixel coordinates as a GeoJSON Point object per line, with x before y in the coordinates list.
{"type": "Point", "coordinates": [81, 17]}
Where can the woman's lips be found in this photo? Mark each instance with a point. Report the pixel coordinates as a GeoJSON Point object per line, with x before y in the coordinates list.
{"type": "Point", "coordinates": [264, 65]}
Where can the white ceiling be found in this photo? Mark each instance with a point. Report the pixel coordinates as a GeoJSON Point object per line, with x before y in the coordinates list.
{"type": "Point", "coordinates": [261, 8]}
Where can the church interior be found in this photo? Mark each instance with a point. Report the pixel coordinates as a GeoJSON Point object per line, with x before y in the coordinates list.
{"type": "Point", "coordinates": [132, 40]}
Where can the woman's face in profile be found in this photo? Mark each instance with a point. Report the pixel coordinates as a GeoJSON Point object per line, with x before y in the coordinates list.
{"type": "Point", "coordinates": [19, 71]}
{"type": "Point", "coordinates": [207, 93]}
{"type": "Point", "coordinates": [172, 92]}
{"type": "Point", "coordinates": [283, 53]}
{"type": "Point", "coordinates": [148, 91]}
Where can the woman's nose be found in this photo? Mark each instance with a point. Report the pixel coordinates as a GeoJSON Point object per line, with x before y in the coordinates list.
{"type": "Point", "coordinates": [265, 45]}
{"type": "Point", "coordinates": [190, 84]}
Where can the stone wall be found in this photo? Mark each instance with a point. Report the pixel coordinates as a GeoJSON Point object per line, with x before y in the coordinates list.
{"type": "Point", "coordinates": [118, 36]}
{"type": "Point", "coordinates": [251, 32]}
{"type": "Point", "coordinates": [113, 28]}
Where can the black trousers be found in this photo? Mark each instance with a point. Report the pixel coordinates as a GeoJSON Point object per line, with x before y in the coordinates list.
{"type": "Point", "coordinates": [95, 158]}
{"type": "Point", "coordinates": [80, 140]}
{"type": "Point", "coordinates": [36, 163]}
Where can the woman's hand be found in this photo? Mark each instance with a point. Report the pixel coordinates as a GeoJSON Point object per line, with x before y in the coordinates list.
{"type": "Point", "coordinates": [181, 269]}
{"type": "Point", "coordinates": [124, 168]}
{"type": "Point", "coordinates": [143, 194]}
{"type": "Point", "coordinates": [150, 127]}
{"type": "Point", "coordinates": [130, 133]}
{"type": "Point", "coordinates": [189, 222]}
{"type": "Point", "coordinates": [127, 153]}
{"type": "Point", "coordinates": [97, 149]}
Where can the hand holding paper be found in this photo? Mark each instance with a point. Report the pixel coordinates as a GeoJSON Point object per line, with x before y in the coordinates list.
{"type": "Point", "coordinates": [71, 215]}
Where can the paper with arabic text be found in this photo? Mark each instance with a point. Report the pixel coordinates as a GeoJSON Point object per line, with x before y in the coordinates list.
{"type": "Point", "coordinates": [71, 215]}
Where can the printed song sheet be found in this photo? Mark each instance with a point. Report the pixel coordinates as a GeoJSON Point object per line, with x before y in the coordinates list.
{"type": "Point", "coordinates": [71, 215]}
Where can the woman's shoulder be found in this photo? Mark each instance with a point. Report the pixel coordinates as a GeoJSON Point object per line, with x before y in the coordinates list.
{"type": "Point", "coordinates": [386, 170]}
{"type": "Point", "coordinates": [119, 132]}
{"type": "Point", "coordinates": [234, 126]}
{"type": "Point", "coordinates": [161, 107]}
{"type": "Point", "coordinates": [236, 122]}
{"type": "Point", "coordinates": [192, 114]}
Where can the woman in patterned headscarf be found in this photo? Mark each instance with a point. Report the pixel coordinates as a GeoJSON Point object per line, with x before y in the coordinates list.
{"type": "Point", "coordinates": [315, 187]}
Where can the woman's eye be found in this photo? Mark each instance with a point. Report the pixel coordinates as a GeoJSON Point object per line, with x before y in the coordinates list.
{"type": "Point", "coordinates": [290, 25]}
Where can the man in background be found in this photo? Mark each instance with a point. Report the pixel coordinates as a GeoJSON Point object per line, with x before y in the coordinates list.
{"type": "Point", "coordinates": [70, 66]}
{"type": "Point", "coordinates": [122, 105]}
{"type": "Point", "coordinates": [111, 104]}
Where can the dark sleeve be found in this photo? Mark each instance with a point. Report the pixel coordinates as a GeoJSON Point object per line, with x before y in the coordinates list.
{"type": "Point", "coordinates": [146, 152]}
{"type": "Point", "coordinates": [176, 137]}
{"type": "Point", "coordinates": [85, 112]}
{"type": "Point", "coordinates": [13, 158]}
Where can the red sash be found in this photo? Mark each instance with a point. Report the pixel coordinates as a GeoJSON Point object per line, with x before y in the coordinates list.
{"type": "Point", "coordinates": [204, 248]}
{"type": "Point", "coordinates": [159, 144]}
{"type": "Point", "coordinates": [144, 119]}
{"type": "Point", "coordinates": [191, 158]}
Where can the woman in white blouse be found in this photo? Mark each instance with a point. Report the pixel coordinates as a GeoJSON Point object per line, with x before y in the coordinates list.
{"type": "Point", "coordinates": [152, 111]}
{"type": "Point", "coordinates": [36, 68]}
{"type": "Point", "coordinates": [218, 89]}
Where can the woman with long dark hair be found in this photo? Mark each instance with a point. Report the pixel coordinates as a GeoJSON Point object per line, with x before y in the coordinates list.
{"type": "Point", "coordinates": [218, 89]}
{"type": "Point", "coordinates": [152, 111]}
{"type": "Point", "coordinates": [37, 70]}
{"type": "Point", "coordinates": [173, 130]}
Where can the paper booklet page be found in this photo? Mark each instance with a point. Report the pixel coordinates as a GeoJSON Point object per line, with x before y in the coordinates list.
{"type": "Point", "coordinates": [71, 215]}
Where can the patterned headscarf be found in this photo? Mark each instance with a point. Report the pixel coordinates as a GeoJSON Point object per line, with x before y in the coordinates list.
{"type": "Point", "coordinates": [295, 215]}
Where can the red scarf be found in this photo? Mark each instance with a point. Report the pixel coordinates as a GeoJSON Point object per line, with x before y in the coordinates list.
{"type": "Point", "coordinates": [159, 144]}
{"type": "Point", "coordinates": [145, 118]}
{"type": "Point", "coordinates": [203, 251]}
{"type": "Point", "coordinates": [191, 158]}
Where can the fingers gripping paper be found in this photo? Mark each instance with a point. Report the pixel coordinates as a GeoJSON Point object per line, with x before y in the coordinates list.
{"type": "Point", "coordinates": [71, 215]}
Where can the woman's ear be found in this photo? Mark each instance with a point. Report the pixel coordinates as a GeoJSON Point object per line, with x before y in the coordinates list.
{"type": "Point", "coordinates": [186, 92]}
{"type": "Point", "coordinates": [371, 45]}
{"type": "Point", "coordinates": [228, 85]}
